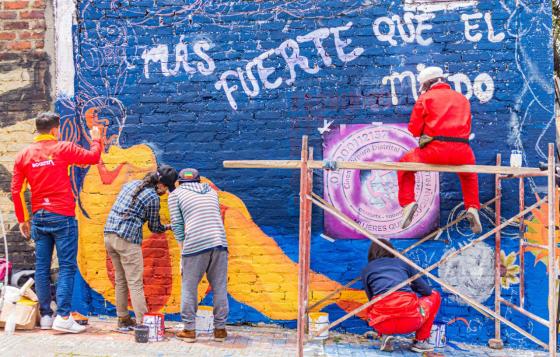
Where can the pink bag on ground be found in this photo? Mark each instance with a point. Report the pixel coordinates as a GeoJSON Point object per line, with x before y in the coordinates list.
{"type": "Point", "coordinates": [5, 268]}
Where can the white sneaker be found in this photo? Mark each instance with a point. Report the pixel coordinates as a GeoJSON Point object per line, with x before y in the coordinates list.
{"type": "Point", "coordinates": [474, 220]}
{"type": "Point", "coordinates": [421, 346]}
{"type": "Point", "coordinates": [387, 343]}
{"type": "Point", "coordinates": [408, 213]}
{"type": "Point", "coordinates": [67, 325]}
{"type": "Point", "coordinates": [46, 322]}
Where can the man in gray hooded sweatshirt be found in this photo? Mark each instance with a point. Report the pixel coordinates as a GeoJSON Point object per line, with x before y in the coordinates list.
{"type": "Point", "coordinates": [197, 223]}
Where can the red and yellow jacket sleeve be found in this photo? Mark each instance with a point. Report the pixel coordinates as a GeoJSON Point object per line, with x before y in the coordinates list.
{"type": "Point", "coordinates": [19, 185]}
{"type": "Point", "coordinates": [75, 155]}
{"type": "Point", "coordinates": [416, 125]}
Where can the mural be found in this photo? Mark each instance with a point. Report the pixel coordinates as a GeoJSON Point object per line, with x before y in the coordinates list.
{"type": "Point", "coordinates": [537, 232]}
{"type": "Point", "coordinates": [196, 83]}
{"type": "Point", "coordinates": [370, 197]}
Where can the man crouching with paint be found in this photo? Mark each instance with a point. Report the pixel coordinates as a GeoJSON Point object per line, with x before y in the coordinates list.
{"type": "Point", "coordinates": [402, 311]}
{"type": "Point", "coordinates": [197, 223]}
{"type": "Point", "coordinates": [441, 118]}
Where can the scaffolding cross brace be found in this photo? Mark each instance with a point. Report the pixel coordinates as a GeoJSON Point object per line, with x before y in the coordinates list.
{"type": "Point", "coordinates": [307, 197]}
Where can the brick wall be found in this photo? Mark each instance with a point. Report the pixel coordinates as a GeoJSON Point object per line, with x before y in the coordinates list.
{"type": "Point", "coordinates": [25, 90]}
{"type": "Point", "coordinates": [195, 84]}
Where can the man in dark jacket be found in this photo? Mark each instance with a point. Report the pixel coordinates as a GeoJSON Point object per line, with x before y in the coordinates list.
{"type": "Point", "coordinates": [402, 311]}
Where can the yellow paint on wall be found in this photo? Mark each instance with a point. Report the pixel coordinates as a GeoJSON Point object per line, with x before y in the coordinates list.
{"type": "Point", "coordinates": [260, 275]}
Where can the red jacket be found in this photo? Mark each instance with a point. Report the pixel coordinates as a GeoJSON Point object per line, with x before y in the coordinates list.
{"type": "Point", "coordinates": [44, 165]}
{"type": "Point", "coordinates": [441, 111]}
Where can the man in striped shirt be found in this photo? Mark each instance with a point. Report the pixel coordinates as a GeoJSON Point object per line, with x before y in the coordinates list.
{"type": "Point", "coordinates": [197, 224]}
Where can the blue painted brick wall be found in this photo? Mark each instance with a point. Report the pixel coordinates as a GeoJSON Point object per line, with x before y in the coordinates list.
{"type": "Point", "coordinates": [189, 121]}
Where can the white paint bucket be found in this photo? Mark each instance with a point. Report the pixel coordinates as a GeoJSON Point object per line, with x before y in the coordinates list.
{"type": "Point", "coordinates": [205, 319]}
{"type": "Point", "coordinates": [318, 321]}
{"type": "Point", "coordinates": [437, 335]}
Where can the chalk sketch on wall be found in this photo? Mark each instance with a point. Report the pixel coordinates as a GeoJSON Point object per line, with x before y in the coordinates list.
{"type": "Point", "coordinates": [471, 272]}
{"type": "Point", "coordinates": [370, 197]}
{"type": "Point", "coordinates": [437, 5]}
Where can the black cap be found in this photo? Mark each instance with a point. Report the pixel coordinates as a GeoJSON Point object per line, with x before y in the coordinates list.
{"type": "Point", "coordinates": [167, 176]}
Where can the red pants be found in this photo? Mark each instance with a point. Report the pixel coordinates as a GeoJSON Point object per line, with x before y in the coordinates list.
{"type": "Point", "coordinates": [422, 325]}
{"type": "Point", "coordinates": [442, 153]}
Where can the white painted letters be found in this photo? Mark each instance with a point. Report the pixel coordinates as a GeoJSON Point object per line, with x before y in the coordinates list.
{"type": "Point", "coordinates": [223, 84]}
{"type": "Point", "coordinates": [341, 44]}
{"type": "Point", "coordinates": [395, 23]}
{"type": "Point", "coordinates": [475, 37]}
{"type": "Point", "coordinates": [482, 87]}
{"type": "Point", "coordinates": [160, 53]}
{"type": "Point", "coordinates": [199, 48]}
{"type": "Point", "coordinates": [294, 59]}
{"type": "Point", "coordinates": [317, 37]}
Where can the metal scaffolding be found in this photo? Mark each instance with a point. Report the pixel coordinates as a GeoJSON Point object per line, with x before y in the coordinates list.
{"type": "Point", "coordinates": [307, 197]}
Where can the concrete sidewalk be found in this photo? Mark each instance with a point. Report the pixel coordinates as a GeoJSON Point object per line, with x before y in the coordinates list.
{"type": "Point", "coordinates": [102, 340]}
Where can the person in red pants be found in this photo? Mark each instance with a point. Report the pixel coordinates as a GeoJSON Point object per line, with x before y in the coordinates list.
{"type": "Point", "coordinates": [441, 118]}
{"type": "Point", "coordinates": [402, 311]}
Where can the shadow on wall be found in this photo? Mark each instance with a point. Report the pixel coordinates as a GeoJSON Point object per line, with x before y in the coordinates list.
{"type": "Point", "coordinates": [24, 86]}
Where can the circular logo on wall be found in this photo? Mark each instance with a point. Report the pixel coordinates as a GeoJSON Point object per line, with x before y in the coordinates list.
{"type": "Point", "coordinates": [371, 197]}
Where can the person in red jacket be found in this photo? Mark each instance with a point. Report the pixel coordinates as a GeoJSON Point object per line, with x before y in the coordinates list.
{"type": "Point", "coordinates": [44, 166]}
{"type": "Point", "coordinates": [441, 118]}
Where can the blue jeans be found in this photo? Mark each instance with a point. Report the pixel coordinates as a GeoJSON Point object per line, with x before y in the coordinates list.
{"type": "Point", "coordinates": [47, 230]}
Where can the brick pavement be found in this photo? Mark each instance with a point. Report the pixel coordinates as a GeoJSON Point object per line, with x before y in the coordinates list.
{"type": "Point", "coordinates": [101, 340]}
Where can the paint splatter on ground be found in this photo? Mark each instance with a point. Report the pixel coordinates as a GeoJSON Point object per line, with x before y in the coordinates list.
{"type": "Point", "coordinates": [102, 340]}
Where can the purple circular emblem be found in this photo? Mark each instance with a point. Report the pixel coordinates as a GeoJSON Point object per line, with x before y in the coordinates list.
{"type": "Point", "coordinates": [371, 197]}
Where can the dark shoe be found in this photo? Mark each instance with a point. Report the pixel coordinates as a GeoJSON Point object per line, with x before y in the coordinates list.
{"type": "Point", "coordinates": [187, 335]}
{"type": "Point", "coordinates": [126, 322]}
{"type": "Point", "coordinates": [421, 346]}
{"type": "Point", "coordinates": [387, 343]}
{"type": "Point", "coordinates": [408, 213]}
{"type": "Point", "coordinates": [220, 334]}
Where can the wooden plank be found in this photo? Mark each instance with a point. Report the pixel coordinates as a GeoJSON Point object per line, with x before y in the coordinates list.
{"type": "Point", "coordinates": [386, 166]}
{"type": "Point", "coordinates": [302, 288]}
{"type": "Point", "coordinates": [552, 266]}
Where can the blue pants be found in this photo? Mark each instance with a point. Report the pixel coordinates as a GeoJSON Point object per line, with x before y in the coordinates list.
{"type": "Point", "coordinates": [47, 230]}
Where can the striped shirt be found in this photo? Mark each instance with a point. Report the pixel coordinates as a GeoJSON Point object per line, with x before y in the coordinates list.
{"type": "Point", "coordinates": [126, 219]}
{"type": "Point", "coordinates": [196, 219]}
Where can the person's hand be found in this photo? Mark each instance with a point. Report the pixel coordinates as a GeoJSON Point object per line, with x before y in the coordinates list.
{"type": "Point", "coordinates": [95, 133]}
{"type": "Point", "coordinates": [424, 140]}
{"type": "Point", "coordinates": [25, 229]}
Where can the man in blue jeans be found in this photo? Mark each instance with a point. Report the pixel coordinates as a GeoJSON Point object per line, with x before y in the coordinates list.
{"type": "Point", "coordinates": [44, 166]}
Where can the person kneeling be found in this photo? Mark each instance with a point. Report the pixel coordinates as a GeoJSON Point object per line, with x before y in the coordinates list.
{"type": "Point", "coordinates": [402, 311]}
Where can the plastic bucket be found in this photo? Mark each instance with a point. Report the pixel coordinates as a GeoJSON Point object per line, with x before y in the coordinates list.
{"type": "Point", "coordinates": [317, 321]}
{"type": "Point", "coordinates": [205, 319]}
{"type": "Point", "coordinates": [141, 333]}
{"type": "Point", "coordinates": [437, 335]}
{"type": "Point", "coordinates": [11, 294]}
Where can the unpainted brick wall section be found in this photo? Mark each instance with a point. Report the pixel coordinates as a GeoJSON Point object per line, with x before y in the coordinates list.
{"type": "Point", "coordinates": [25, 90]}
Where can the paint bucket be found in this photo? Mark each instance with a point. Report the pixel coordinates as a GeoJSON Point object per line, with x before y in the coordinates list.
{"type": "Point", "coordinates": [516, 158]}
{"type": "Point", "coordinates": [156, 325]}
{"type": "Point", "coordinates": [141, 333]}
{"type": "Point", "coordinates": [317, 321]}
{"type": "Point", "coordinates": [205, 319]}
{"type": "Point", "coordinates": [437, 335]}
